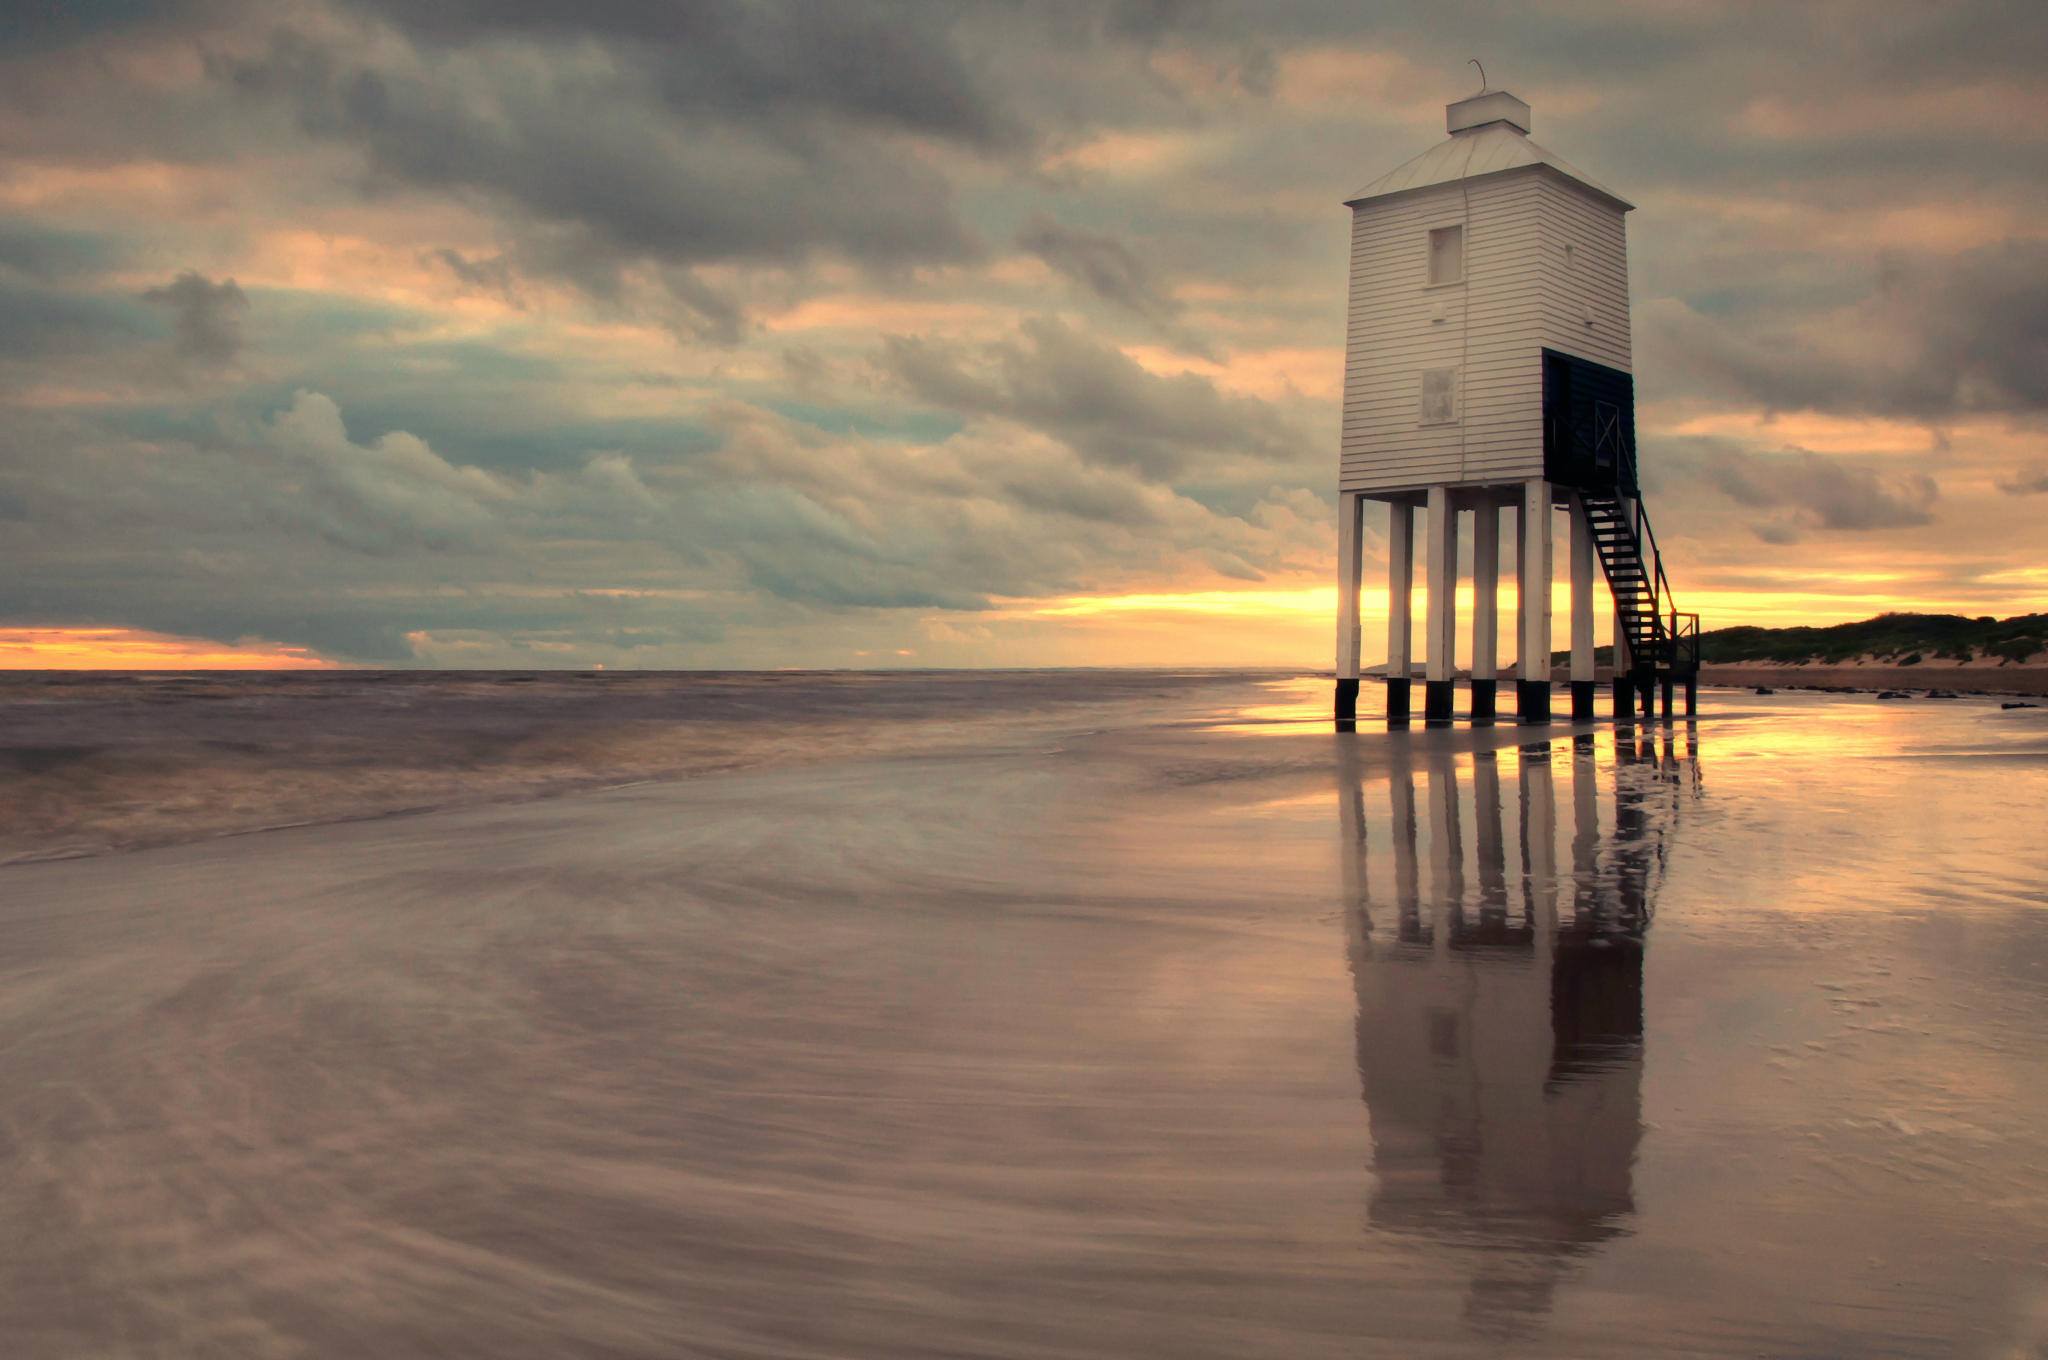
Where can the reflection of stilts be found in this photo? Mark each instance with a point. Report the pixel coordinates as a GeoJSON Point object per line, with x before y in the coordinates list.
{"type": "Point", "coordinates": [1351, 818]}
{"type": "Point", "coordinates": [1407, 897]}
{"type": "Point", "coordinates": [1585, 835]}
{"type": "Point", "coordinates": [1494, 927]}
{"type": "Point", "coordinates": [1446, 852]}
{"type": "Point", "coordinates": [1539, 839]}
{"type": "Point", "coordinates": [1494, 1130]}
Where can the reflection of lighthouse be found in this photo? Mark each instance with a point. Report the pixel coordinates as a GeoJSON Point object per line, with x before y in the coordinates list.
{"type": "Point", "coordinates": [1500, 1012]}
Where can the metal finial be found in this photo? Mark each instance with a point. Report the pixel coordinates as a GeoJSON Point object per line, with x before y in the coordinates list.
{"type": "Point", "coordinates": [1474, 61]}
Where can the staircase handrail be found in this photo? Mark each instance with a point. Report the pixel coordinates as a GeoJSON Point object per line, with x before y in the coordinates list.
{"type": "Point", "coordinates": [1685, 639]}
{"type": "Point", "coordinates": [1674, 640]}
{"type": "Point", "coordinates": [1660, 585]}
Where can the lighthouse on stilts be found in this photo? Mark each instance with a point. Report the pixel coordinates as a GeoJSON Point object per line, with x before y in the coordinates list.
{"type": "Point", "coordinates": [1487, 370]}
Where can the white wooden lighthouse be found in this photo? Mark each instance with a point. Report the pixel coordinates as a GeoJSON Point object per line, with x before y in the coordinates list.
{"type": "Point", "coordinates": [1486, 370]}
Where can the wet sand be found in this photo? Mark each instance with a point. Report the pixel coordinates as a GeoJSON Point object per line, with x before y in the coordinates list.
{"type": "Point", "coordinates": [92, 761]}
{"type": "Point", "coordinates": [1198, 1032]}
{"type": "Point", "coordinates": [2008, 680]}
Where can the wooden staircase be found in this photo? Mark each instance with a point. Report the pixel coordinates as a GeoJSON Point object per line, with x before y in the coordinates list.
{"type": "Point", "coordinates": [1660, 640]}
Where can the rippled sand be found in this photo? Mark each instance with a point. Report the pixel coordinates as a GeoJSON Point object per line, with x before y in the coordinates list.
{"type": "Point", "coordinates": [1178, 1026]}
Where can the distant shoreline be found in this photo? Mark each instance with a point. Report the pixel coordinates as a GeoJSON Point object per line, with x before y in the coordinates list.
{"type": "Point", "coordinates": [1960, 679]}
{"type": "Point", "coordinates": [1944, 675]}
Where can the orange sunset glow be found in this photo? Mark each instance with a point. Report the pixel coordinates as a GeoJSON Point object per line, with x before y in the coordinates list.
{"type": "Point", "coordinates": [125, 649]}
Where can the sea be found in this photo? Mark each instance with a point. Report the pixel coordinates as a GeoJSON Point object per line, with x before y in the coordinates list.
{"type": "Point", "coordinates": [1023, 1015]}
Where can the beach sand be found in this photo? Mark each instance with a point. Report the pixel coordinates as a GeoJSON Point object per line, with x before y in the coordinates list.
{"type": "Point", "coordinates": [99, 761]}
{"type": "Point", "coordinates": [1170, 1024]}
{"type": "Point", "coordinates": [1958, 677]}
{"type": "Point", "coordinates": [1946, 675]}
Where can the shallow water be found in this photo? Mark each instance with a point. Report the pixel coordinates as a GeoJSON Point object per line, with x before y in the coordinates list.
{"type": "Point", "coordinates": [1178, 1026]}
{"type": "Point", "coordinates": [93, 761]}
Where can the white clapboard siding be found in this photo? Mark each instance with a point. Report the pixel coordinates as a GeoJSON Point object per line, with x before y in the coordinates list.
{"type": "Point", "coordinates": [1522, 292]}
{"type": "Point", "coordinates": [1594, 276]}
{"type": "Point", "coordinates": [1490, 333]}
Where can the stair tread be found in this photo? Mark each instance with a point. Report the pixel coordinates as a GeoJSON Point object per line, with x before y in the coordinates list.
{"type": "Point", "coordinates": [1635, 577]}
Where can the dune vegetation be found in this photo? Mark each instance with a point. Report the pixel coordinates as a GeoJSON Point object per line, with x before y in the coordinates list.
{"type": "Point", "coordinates": [1893, 639]}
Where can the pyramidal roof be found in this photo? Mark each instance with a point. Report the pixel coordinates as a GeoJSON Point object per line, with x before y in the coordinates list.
{"type": "Point", "coordinates": [1489, 135]}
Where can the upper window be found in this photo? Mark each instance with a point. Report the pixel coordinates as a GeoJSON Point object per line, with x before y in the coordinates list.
{"type": "Point", "coordinates": [1447, 255]}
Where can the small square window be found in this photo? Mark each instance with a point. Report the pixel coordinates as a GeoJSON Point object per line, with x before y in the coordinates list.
{"type": "Point", "coordinates": [1439, 396]}
{"type": "Point", "coordinates": [1447, 255]}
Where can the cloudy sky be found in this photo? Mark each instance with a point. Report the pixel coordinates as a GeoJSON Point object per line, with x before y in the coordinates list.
{"type": "Point", "coordinates": [947, 332]}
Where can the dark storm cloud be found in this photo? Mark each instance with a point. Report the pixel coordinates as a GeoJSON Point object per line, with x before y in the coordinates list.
{"type": "Point", "coordinates": [2031, 481]}
{"type": "Point", "coordinates": [882, 63]}
{"type": "Point", "coordinates": [806, 370]}
{"type": "Point", "coordinates": [1939, 336]}
{"type": "Point", "coordinates": [1095, 399]}
{"type": "Point", "coordinates": [1082, 494]}
{"type": "Point", "coordinates": [301, 474]}
{"type": "Point", "coordinates": [1967, 41]}
{"type": "Point", "coordinates": [51, 256]}
{"type": "Point", "coordinates": [1982, 321]}
{"type": "Point", "coordinates": [52, 316]}
{"type": "Point", "coordinates": [40, 323]}
{"type": "Point", "coordinates": [493, 272]}
{"type": "Point", "coordinates": [796, 550]}
{"type": "Point", "coordinates": [616, 138]}
{"type": "Point", "coordinates": [706, 133]}
{"type": "Point", "coordinates": [765, 25]}
{"type": "Point", "coordinates": [844, 521]}
{"type": "Point", "coordinates": [206, 317]}
{"type": "Point", "coordinates": [298, 528]}
{"type": "Point", "coordinates": [1894, 39]}
{"type": "Point", "coordinates": [1102, 264]}
{"type": "Point", "coordinates": [1812, 490]}
{"type": "Point", "coordinates": [37, 26]}
{"type": "Point", "coordinates": [290, 529]}
{"type": "Point", "coordinates": [996, 510]}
